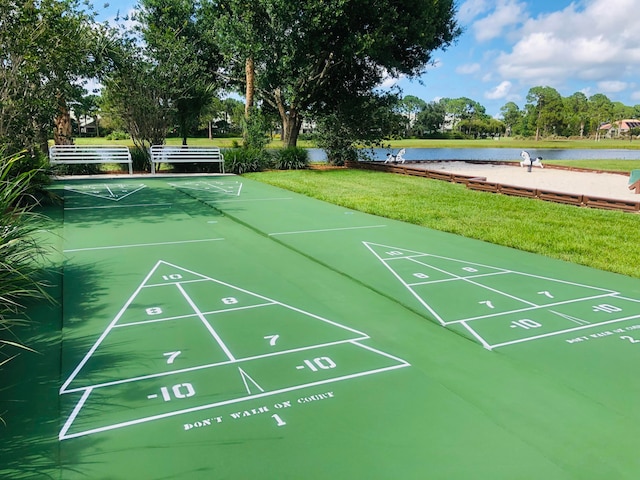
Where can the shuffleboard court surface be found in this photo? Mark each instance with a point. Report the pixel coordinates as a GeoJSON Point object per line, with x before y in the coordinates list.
{"type": "Point", "coordinates": [216, 327]}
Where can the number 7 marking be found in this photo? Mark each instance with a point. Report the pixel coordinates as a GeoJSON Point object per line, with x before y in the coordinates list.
{"type": "Point", "coordinates": [172, 356]}
{"type": "Point", "coordinates": [272, 339]}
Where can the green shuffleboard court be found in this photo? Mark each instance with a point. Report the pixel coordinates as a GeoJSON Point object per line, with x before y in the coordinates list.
{"type": "Point", "coordinates": [213, 327]}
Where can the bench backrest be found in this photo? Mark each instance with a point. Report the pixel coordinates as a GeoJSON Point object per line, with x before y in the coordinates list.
{"type": "Point", "coordinates": [84, 153]}
{"type": "Point", "coordinates": [164, 153]}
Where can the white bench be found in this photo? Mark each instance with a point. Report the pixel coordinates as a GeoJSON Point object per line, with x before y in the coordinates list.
{"type": "Point", "coordinates": [185, 154]}
{"type": "Point", "coordinates": [83, 154]}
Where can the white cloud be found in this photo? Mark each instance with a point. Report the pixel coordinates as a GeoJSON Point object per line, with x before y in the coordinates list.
{"type": "Point", "coordinates": [468, 68]}
{"type": "Point", "coordinates": [597, 43]}
{"type": "Point", "coordinates": [471, 9]}
{"type": "Point", "coordinates": [507, 13]}
{"type": "Point", "coordinates": [635, 95]}
{"type": "Point", "coordinates": [612, 86]}
{"type": "Point", "coordinates": [500, 91]}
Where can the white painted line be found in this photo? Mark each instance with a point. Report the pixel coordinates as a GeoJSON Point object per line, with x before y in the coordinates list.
{"type": "Point", "coordinates": [121, 206]}
{"type": "Point", "coordinates": [326, 230]}
{"type": "Point", "coordinates": [212, 365]}
{"type": "Point", "coordinates": [477, 336]}
{"type": "Point", "coordinates": [418, 297]}
{"type": "Point", "coordinates": [111, 196]}
{"type": "Point", "coordinates": [528, 309]}
{"type": "Point", "coordinates": [226, 402]}
{"type": "Point", "coordinates": [246, 377]}
{"type": "Point", "coordinates": [269, 300]}
{"type": "Point", "coordinates": [207, 325]}
{"type": "Point", "coordinates": [106, 331]}
{"type": "Point", "coordinates": [179, 317]}
{"type": "Point", "coordinates": [135, 245]}
{"type": "Point", "coordinates": [74, 414]}
{"type": "Point", "coordinates": [569, 330]}
{"type": "Point", "coordinates": [253, 200]}
{"type": "Point", "coordinates": [384, 354]}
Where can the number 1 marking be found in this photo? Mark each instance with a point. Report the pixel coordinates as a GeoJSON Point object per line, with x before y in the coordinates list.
{"type": "Point", "coordinates": [272, 339]}
{"type": "Point", "coordinates": [172, 356]}
{"type": "Point", "coordinates": [279, 421]}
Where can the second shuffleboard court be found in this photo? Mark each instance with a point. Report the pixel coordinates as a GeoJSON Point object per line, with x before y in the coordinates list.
{"type": "Point", "coordinates": [499, 307]}
{"type": "Point", "coordinates": [187, 342]}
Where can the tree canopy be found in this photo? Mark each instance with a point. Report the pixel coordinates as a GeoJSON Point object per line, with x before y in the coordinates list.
{"type": "Point", "coordinates": [47, 47]}
{"type": "Point", "coordinates": [311, 56]}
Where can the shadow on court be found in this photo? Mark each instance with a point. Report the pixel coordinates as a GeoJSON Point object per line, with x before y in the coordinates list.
{"type": "Point", "coordinates": [30, 402]}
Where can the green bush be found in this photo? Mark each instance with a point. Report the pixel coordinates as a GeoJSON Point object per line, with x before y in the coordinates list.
{"type": "Point", "coordinates": [118, 135]}
{"type": "Point", "coordinates": [242, 160]}
{"type": "Point", "coordinates": [79, 169]}
{"type": "Point", "coordinates": [19, 249]}
{"type": "Point", "coordinates": [141, 159]}
{"type": "Point", "coordinates": [291, 158]}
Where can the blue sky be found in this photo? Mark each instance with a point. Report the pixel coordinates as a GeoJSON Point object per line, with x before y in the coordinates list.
{"type": "Point", "coordinates": [510, 46]}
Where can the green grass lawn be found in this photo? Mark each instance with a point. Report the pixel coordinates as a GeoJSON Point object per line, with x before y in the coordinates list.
{"type": "Point", "coordinates": [611, 165]}
{"type": "Point", "coordinates": [602, 239]}
{"type": "Point", "coordinates": [405, 143]}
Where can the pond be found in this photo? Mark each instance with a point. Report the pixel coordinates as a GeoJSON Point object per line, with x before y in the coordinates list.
{"type": "Point", "coordinates": [495, 154]}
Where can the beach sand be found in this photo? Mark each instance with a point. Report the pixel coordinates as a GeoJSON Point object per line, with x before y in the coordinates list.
{"type": "Point", "coordinates": [608, 185]}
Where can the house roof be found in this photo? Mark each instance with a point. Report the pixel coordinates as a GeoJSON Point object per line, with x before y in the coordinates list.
{"type": "Point", "coordinates": [627, 124]}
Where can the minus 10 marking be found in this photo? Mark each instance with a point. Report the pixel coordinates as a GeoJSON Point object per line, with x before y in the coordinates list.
{"type": "Point", "coordinates": [318, 363]}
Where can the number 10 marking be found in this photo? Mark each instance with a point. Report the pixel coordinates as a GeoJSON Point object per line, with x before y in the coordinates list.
{"type": "Point", "coordinates": [526, 324]}
{"type": "Point", "coordinates": [177, 391]}
{"type": "Point", "coordinates": [322, 363]}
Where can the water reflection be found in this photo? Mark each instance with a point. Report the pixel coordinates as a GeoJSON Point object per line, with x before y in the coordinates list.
{"type": "Point", "coordinates": [496, 154]}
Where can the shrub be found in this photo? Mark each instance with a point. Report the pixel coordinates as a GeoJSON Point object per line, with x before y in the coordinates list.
{"type": "Point", "coordinates": [79, 169]}
{"type": "Point", "coordinates": [140, 159]}
{"type": "Point", "coordinates": [242, 160]}
{"type": "Point", "coordinates": [118, 135]}
{"type": "Point", "coordinates": [19, 249]}
{"type": "Point", "coordinates": [291, 158]}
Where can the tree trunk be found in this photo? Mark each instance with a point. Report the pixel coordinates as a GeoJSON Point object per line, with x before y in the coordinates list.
{"type": "Point", "coordinates": [292, 129]}
{"type": "Point", "coordinates": [250, 76]}
{"type": "Point", "coordinates": [291, 121]}
{"type": "Point", "coordinates": [62, 134]}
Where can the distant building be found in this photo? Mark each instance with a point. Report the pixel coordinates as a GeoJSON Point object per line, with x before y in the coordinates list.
{"type": "Point", "coordinates": [620, 127]}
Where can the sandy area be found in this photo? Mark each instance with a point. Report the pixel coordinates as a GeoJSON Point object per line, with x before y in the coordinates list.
{"type": "Point", "coordinates": [608, 185]}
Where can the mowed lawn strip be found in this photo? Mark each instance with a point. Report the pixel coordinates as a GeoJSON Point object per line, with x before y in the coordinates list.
{"type": "Point", "coordinates": [607, 240]}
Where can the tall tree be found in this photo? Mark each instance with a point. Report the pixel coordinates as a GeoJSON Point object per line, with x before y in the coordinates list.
{"type": "Point", "coordinates": [430, 119]}
{"type": "Point", "coordinates": [310, 56]}
{"type": "Point", "coordinates": [576, 109]}
{"type": "Point", "coordinates": [136, 94]}
{"type": "Point", "coordinates": [511, 116]}
{"type": "Point", "coordinates": [183, 59]}
{"type": "Point", "coordinates": [46, 48]}
{"type": "Point", "coordinates": [463, 108]}
{"type": "Point", "coordinates": [601, 111]}
{"type": "Point", "coordinates": [410, 106]}
{"type": "Point", "coordinates": [545, 110]}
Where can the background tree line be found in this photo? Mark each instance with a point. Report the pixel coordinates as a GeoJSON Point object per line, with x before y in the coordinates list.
{"type": "Point", "coordinates": [291, 60]}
